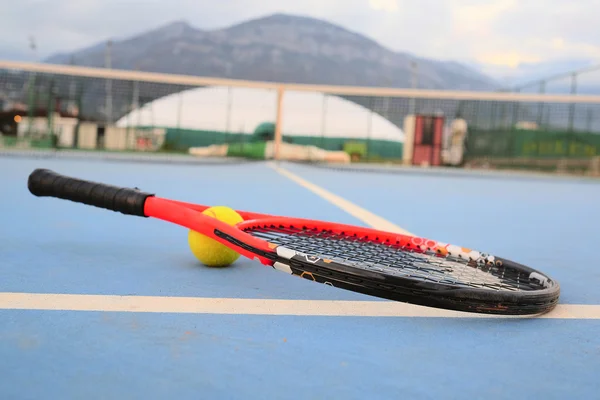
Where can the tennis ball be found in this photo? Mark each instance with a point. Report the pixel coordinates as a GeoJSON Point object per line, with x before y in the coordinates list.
{"type": "Point", "coordinates": [207, 250]}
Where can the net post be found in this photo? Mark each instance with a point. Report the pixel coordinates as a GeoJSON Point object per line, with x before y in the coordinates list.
{"type": "Point", "coordinates": [409, 137]}
{"type": "Point", "coordinates": [280, 92]}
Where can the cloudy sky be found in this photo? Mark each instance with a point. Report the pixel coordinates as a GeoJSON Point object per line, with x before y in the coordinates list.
{"type": "Point", "coordinates": [498, 35]}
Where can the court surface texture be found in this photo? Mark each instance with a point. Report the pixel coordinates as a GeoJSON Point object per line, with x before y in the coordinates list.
{"type": "Point", "coordinates": [98, 305]}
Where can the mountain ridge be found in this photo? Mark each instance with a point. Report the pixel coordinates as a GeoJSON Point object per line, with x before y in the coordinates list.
{"type": "Point", "coordinates": [277, 47]}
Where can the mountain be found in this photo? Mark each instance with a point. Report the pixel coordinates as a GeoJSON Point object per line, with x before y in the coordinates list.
{"type": "Point", "coordinates": [279, 47]}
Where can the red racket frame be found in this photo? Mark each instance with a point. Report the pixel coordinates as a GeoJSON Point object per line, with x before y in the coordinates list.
{"type": "Point", "coordinates": [190, 215]}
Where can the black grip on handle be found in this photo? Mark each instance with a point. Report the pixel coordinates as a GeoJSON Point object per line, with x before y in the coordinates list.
{"type": "Point", "coordinates": [47, 183]}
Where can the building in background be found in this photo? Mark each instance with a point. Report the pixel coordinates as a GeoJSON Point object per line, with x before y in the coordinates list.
{"type": "Point", "coordinates": [219, 114]}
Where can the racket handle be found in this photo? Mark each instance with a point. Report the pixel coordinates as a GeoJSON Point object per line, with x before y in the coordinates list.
{"type": "Point", "coordinates": [47, 183]}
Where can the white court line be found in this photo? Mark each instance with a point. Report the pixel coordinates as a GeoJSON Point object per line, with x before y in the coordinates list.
{"type": "Point", "coordinates": [375, 221]}
{"type": "Point", "coordinates": [231, 306]}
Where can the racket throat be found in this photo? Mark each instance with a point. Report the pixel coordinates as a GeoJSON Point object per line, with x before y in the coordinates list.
{"type": "Point", "coordinates": [249, 250]}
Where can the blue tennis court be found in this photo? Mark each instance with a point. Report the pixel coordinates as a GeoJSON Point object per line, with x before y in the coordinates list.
{"type": "Point", "coordinates": [95, 304]}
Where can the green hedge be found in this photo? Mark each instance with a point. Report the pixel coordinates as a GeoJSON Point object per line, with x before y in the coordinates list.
{"type": "Point", "coordinates": [183, 139]}
{"type": "Point", "coordinates": [526, 143]}
{"type": "Point", "coordinates": [254, 150]}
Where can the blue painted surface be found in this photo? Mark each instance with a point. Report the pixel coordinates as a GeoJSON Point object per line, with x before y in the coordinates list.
{"type": "Point", "coordinates": [549, 225]}
{"type": "Point", "coordinates": [106, 355]}
{"type": "Point", "coordinates": [53, 246]}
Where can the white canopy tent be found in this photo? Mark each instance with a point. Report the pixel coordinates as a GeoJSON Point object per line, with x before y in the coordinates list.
{"type": "Point", "coordinates": [242, 110]}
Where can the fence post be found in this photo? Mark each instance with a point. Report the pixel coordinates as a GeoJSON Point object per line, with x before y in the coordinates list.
{"type": "Point", "coordinates": [369, 128]}
{"type": "Point", "coordinates": [572, 108]}
{"type": "Point", "coordinates": [541, 106]}
{"type": "Point", "coordinates": [228, 117]}
{"type": "Point", "coordinates": [323, 120]}
{"type": "Point", "coordinates": [280, 91]}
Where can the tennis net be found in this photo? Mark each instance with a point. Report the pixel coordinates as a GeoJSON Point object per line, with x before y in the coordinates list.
{"type": "Point", "coordinates": [75, 108]}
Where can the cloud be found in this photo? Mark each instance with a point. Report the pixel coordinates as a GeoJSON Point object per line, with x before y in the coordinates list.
{"type": "Point", "coordinates": [511, 59]}
{"type": "Point", "coordinates": [506, 36]}
{"type": "Point", "coordinates": [536, 50]}
{"type": "Point", "coordinates": [384, 5]}
{"type": "Point", "coordinates": [478, 18]}
{"type": "Point", "coordinates": [496, 34]}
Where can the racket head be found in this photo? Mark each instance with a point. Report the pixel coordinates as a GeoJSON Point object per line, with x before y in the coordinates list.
{"type": "Point", "coordinates": [383, 264]}
{"type": "Point", "coordinates": [406, 268]}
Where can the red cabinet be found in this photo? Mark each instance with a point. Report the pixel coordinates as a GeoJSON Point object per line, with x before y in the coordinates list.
{"type": "Point", "coordinates": [427, 147]}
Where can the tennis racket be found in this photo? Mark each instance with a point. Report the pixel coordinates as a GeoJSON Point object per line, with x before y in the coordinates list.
{"type": "Point", "coordinates": [382, 264]}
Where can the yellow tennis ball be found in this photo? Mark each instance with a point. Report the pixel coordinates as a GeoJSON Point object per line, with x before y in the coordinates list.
{"type": "Point", "coordinates": [207, 250]}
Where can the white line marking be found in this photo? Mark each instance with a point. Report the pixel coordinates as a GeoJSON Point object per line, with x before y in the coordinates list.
{"type": "Point", "coordinates": [200, 305]}
{"type": "Point", "coordinates": [375, 221]}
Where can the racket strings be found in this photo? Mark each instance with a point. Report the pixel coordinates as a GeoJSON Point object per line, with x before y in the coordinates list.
{"type": "Point", "coordinates": [391, 259]}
